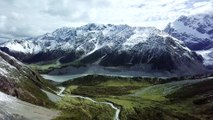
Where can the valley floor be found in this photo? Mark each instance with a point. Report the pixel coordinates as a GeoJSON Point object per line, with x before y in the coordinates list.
{"type": "Point", "coordinates": [137, 98]}
{"type": "Point", "coordinates": [97, 97]}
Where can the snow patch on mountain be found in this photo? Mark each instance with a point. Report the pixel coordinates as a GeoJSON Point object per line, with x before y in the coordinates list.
{"type": "Point", "coordinates": [181, 28]}
{"type": "Point", "coordinates": [3, 71]}
{"type": "Point", "coordinates": [5, 68]}
{"type": "Point", "coordinates": [23, 46]}
{"type": "Point", "coordinates": [6, 98]}
{"type": "Point", "coordinates": [140, 35]}
{"type": "Point", "coordinates": [207, 55]}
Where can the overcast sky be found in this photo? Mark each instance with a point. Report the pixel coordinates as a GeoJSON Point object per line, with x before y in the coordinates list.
{"type": "Point", "coordinates": [24, 18]}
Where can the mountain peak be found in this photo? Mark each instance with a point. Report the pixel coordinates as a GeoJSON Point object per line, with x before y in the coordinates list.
{"type": "Point", "coordinates": [196, 30]}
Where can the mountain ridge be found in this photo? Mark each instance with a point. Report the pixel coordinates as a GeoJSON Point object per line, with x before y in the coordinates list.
{"type": "Point", "coordinates": [107, 45]}
{"type": "Point", "coordinates": [18, 80]}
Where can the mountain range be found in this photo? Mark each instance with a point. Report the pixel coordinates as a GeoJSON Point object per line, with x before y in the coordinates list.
{"type": "Point", "coordinates": [140, 48]}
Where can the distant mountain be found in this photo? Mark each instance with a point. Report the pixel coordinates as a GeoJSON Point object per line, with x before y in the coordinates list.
{"type": "Point", "coordinates": [144, 48]}
{"type": "Point", "coordinates": [18, 80]}
{"type": "Point", "coordinates": [197, 33]}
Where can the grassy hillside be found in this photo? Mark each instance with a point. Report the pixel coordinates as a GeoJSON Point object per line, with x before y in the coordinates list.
{"type": "Point", "coordinates": [81, 109]}
{"type": "Point", "coordinates": [19, 80]}
{"type": "Point", "coordinates": [46, 67]}
{"type": "Point", "coordinates": [149, 98]}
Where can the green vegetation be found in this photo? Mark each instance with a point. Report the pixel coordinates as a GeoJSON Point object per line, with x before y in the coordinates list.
{"type": "Point", "coordinates": [103, 91]}
{"type": "Point", "coordinates": [192, 90]}
{"type": "Point", "coordinates": [25, 84]}
{"type": "Point", "coordinates": [99, 86]}
{"type": "Point", "coordinates": [149, 98]}
{"type": "Point", "coordinates": [40, 97]}
{"type": "Point", "coordinates": [81, 109]}
{"type": "Point", "coordinates": [46, 67]}
{"type": "Point", "coordinates": [30, 89]}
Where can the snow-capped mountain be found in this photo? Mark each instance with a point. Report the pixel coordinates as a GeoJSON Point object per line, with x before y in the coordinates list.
{"type": "Point", "coordinates": [197, 33]}
{"type": "Point", "coordinates": [108, 45]}
{"type": "Point", "coordinates": [18, 80]}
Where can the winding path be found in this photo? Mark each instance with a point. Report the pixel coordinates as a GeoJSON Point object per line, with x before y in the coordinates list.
{"type": "Point", "coordinates": [90, 99]}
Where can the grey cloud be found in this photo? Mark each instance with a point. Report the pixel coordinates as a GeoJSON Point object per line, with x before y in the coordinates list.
{"type": "Point", "coordinates": [138, 6]}
{"type": "Point", "coordinates": [30, 18]}
{"type": "Point", "coordinates": [190, 3]}
{"type": "Point", "coordinates": [26, 18]}
{"type": "Point", "coordinates": [74, 9]}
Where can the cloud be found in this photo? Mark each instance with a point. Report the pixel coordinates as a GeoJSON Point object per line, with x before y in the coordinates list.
{"type": "Point", "coordinates": [202, 7]}
{"type": "Point", "coordinates": [24, 18]}
{"type": "Point", "coordinates": [73, 9]}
